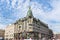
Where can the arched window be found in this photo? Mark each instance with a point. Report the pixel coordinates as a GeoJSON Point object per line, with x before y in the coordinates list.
{"type": "Point", "coordinates": [19, 26]}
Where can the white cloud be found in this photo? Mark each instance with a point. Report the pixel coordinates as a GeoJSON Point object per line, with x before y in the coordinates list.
{"type": "Point", "coordinates": [2, 26]}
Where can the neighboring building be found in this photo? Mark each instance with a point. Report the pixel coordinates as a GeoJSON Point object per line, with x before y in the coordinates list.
{"type": "Point", "coordinates": [9, 32]}
{"type": "Point", "coordinates": [28, 27]}
{"type": "Point", "coordinates": [56, 36]}
{"type": "Point", "coordinates": [2, 34]}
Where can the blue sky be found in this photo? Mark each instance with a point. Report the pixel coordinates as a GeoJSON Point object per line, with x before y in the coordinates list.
{"type": "Point", "coordinates": [47, 11]}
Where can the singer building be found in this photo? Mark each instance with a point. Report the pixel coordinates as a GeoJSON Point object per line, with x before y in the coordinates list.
{"type": "Point", "coordinates": [28, 27]}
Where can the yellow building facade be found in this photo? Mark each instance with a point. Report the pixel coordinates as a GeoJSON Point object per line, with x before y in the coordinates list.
{"type": "Point", "coordinates": [28, 27]}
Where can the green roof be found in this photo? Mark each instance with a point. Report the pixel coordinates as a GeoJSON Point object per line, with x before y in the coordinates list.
{"type": "Point", "coordinates": [29, 13]}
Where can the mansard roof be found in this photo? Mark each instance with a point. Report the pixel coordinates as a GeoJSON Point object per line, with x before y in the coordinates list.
{"type": "Point", "coordinates": [42, 23]}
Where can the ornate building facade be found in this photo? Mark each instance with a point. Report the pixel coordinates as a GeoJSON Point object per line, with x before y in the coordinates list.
{"type": "Point", "coordinates": [28, 27]}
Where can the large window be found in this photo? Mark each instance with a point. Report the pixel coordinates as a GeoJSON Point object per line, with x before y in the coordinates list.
{"type": "Point", "coordinates": [30, 27]}
{"type": "Point", "coordinates": [19, 26]}
{"type": "Point", "coordinates": [6, 35]}
{"type": "Point", "coordinates": [30, 24]}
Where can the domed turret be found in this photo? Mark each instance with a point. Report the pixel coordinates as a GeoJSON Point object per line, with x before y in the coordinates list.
{"type": "Point", "coordinates": [29, 13]}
